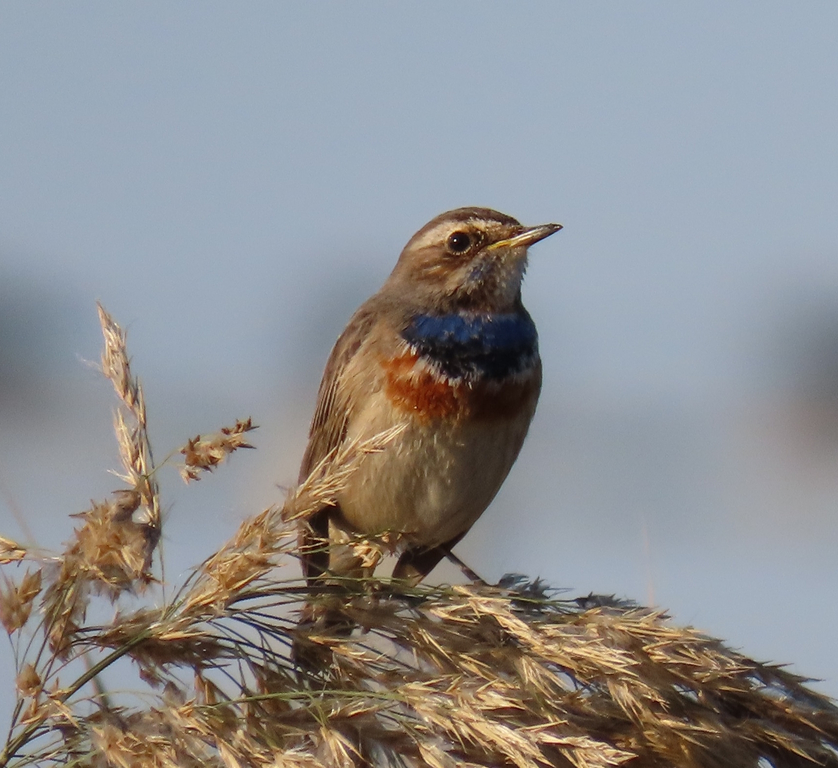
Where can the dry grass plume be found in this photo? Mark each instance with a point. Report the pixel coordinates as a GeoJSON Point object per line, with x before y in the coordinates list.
{"type": "Point", "coordinates": [477, 675]}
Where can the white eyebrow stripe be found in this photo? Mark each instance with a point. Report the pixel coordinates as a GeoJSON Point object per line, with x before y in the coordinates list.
{"type": "Point", "coordinates": [440, 232]}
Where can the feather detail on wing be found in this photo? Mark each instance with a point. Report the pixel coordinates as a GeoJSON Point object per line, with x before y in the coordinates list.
{"type": "Point", "coordinates": [328, 427]}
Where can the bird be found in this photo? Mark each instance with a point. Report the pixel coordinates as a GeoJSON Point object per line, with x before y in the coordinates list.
{"type": "Point", "coordinates": [446, 355]}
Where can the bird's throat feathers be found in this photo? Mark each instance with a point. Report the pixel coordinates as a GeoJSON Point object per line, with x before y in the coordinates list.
{"type": "Point", "coordinates": [474, 345]}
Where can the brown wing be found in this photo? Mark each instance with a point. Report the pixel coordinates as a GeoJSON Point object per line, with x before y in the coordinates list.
{"type": "Point", "coordinates": [328, 430]}
{"type": "Point", "coordinates": [328, 427]}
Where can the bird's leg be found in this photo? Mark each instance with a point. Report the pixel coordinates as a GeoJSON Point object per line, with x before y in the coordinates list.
{"type": "Point", "coordinates": [470, 574]}
{"type": "Point", "coordinates": [314, 545]}
{"type": "Point", "coordinates": [417, 562]}
{"type": "Point", "coordinates": [322, 610]}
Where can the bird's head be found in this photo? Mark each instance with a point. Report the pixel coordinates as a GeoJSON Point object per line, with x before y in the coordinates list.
{"type": "Point", "coordinates": [468, 258]}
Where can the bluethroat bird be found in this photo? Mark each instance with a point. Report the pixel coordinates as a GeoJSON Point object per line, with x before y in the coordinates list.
{"type": "Point", "coordinates": [446, 350]}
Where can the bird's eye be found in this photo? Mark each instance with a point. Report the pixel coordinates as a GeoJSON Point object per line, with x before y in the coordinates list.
{"type": "Point", "coordinates": [459, 242]}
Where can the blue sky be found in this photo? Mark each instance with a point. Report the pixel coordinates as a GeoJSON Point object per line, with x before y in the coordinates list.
{"type": "Point", "coordinates": [231, 181]}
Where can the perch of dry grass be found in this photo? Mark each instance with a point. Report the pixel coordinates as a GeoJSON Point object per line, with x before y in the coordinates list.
{"type": "Point", "coordinates": [439, 676]}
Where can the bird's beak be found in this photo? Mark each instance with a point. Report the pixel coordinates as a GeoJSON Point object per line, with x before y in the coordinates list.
{"type": "Point", "coordinates": [527, 237]}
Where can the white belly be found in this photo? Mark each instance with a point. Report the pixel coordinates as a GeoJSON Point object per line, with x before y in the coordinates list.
{"type": "Point", "coordinates": [434, 480]}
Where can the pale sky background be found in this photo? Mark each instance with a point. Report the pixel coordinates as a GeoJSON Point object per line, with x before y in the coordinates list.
{"type": "Point", "coordinates": [232, 180]}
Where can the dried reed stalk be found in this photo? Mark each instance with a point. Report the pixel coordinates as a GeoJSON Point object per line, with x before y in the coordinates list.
{"type": "Point", "coordinates": [473, 675]}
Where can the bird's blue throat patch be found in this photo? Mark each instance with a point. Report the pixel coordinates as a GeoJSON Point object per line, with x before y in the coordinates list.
{"type": "Point", "coordinates": [466, 345]}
